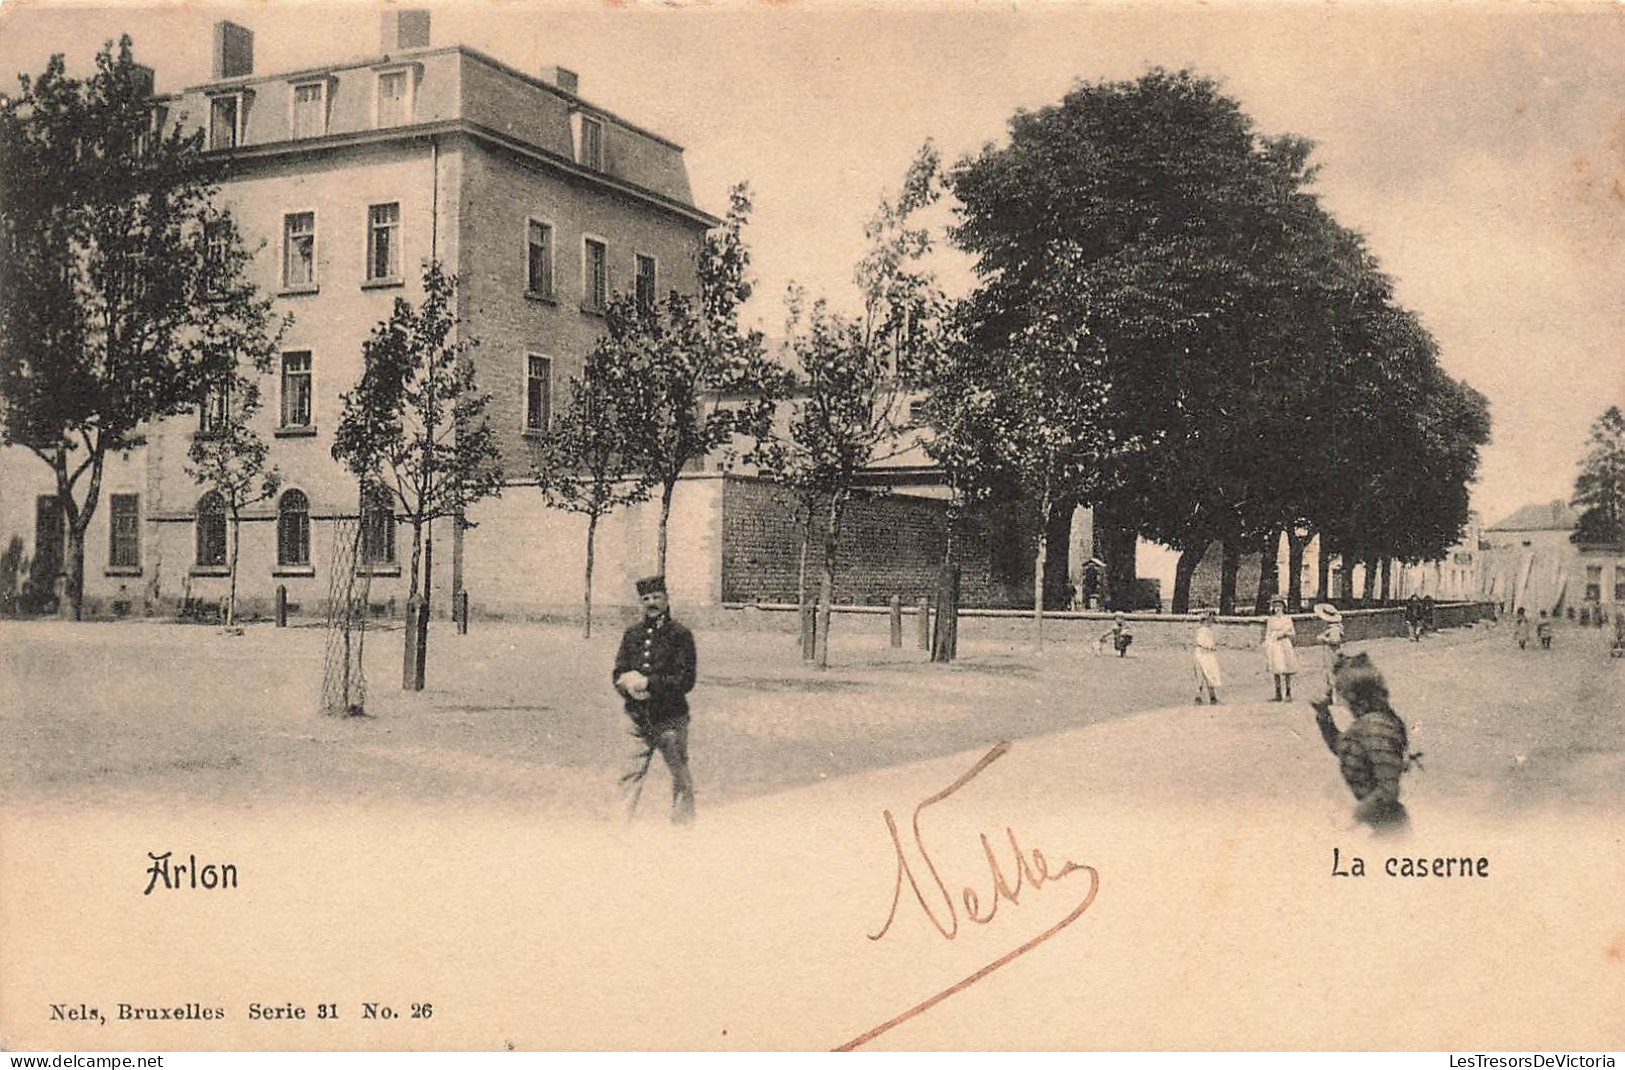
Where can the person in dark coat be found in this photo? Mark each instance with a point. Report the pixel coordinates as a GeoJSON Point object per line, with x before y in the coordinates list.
{"type": "Point", "coordinates": [654, 672]}
{"type": "Point", "coordinates": [1372, 753]}
{"type": "Point", "coordinates": [1415, 617]}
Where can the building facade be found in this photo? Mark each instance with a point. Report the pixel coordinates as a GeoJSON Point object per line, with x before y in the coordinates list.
{"type": "Point", "coordinates": [348, 178]}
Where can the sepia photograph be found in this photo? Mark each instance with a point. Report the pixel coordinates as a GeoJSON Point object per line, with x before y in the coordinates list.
{"type": "Point", "coordinates": [812, 526]}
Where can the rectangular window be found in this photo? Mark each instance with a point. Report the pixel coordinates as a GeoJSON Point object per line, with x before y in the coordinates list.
{"type": "Point", "coordinates": [592, 143]}
{"type": "Point", "coordinates": [216, 255]}
{"type": "Point", "coordinates": [646, 292]}
{"type": "Point", "coordinates": [296, 390]}
{"type": "Point", "coordinates": [299, 249]}
{"type": "Point", "coordinates": [538, 392]}
{"type": "Point", "coordinates": [377, 528]}
{"type": "Point", "coordinates": [539, 259]}
{"type": "Point", "coordinates": [124, 536]}
{"type": "Point", "coordinates": [214, 410]}
{"type": "Point", "coordinates": [310, 110]}
{"type": "Point", "coordinates": [595, 275]}
{"type": "Point", "coordinates": [225, 119]}
{"type": "Point", "coordinates": [384, 242]}
{"type": "Point", "coordinates": [394, 107]}
{"type": "Point", "coordinates": [1619, 584]}
{"type": "Point", "coordinates": [1593, 583]}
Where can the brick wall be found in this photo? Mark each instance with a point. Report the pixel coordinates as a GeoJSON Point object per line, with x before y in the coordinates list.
{"type": "Point", "coordinates": [889, 545]}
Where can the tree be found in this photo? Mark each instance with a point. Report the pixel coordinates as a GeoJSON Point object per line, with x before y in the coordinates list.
{"type": "Point", "coordinates": [229, 458]}
{"type": "Point", "coordinates": [1141, 222]}
{"type": "Point", "coordinates": [123, 290]}
{"type": "Point", "coordinates": [850, 373]}
{"type": "Point", "coordinates": [691, 354]}
{"type": "Point", "coordinates": [841, 417]}
{"type": "Point", "coordinates": [1600, 488]}
{"type": "Point", "coordinates": [585, 462]}
{"type": "Point", "coordinates": [415, 426]}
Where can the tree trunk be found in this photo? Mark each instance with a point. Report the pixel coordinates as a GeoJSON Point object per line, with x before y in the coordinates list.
{"type": "Point", "coordinates": [231, 590]}
{"type": "Point", "coordinates": [1295, 546]}
{"type": "Point", "coordinates": [1184, 570]}
{"type": "Point", "coordinates": [1040, 553]}
{"type": "Point", "coordinates": [1116, 543]}
{"type": "Point", "coordinates": [1057, 536]}
{"type": "Point", "coordinates": [592, 533]}
{"type": "Point", "coordinates": [667, 491]}
{"type": "Point", "coordinates": [421, 670]}
{"type": "Point", "coordinates": [1227, 575]}
{"type": "Point", "coordinates": [826, 580]}
{"type": "Point", "coordinates": [417, 558]}
{"type": "Point", "coordinates": [806, 615]}
{"type": "Point", "coordinates": [73, 597]}
{"type": "Point", "coordinates": [1369, 586]}
{"type": "Point", "coordinates": [1269, 580]}
{"type": "Point", "coordinates": [945, 636]}
{"type": "Point", "coordinates": [1387, 576]}
{"type": "Point", "coordinates": [1323, 573]}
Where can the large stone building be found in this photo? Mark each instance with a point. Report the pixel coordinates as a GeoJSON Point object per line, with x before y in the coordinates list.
{"type": "Point", "coordinates": [352, 175]}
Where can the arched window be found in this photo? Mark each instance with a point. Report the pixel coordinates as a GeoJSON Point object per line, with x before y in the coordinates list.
{"type": "Point", "coordinates": [377, 526]}
{"type": "Point", "coordinates": [211, 529]}
{"type": "Point", "coordinates": [293, 529]}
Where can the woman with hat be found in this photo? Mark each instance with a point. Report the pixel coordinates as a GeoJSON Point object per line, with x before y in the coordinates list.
{"type": "Point", "coordinates": [1331, 639]}
{"type": "Point", "coordinates": [1206, 661]}
{"type": "Point", "coordinates": [1279, 655]}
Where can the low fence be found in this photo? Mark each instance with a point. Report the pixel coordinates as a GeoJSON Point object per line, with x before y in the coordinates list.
{"type": "Point", "coordinates": [1149, 629]}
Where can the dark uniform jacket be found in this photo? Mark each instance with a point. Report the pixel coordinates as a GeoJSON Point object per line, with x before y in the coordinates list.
{"type": "Point", "coordinates": [662, 650]}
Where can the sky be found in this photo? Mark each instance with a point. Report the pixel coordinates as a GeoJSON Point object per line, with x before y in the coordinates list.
{"type": "Point", "coordinates": [1480, 148]}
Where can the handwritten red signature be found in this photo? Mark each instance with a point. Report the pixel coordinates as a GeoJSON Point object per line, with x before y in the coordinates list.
{"type": "Point", "coordinates": [1031, 869]}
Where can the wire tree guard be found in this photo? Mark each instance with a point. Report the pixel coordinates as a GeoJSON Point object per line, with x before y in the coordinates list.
{"type": "Point", "coordinates": [344, 680]}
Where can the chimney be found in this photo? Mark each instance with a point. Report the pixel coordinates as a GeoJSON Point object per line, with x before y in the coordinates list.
{"type": "Point", "coordinates": [233, 50]}
{"type": "Point", "coordinates": [564, 78]}
{"type": "Point", "coordinates": [143, 77]}
{"type": "Point", "coordinates": [404, 29]}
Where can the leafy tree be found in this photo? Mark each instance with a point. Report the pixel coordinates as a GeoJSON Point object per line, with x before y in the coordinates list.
{"type": "Point", "coordinates": [1600, 488]}
{"type": "Point", "coordinates": [229, 458]}
{"type": "Point", "coordinates": [585, 462]}
{"type": "Point", "coordinates": [123, 290]}
{"type": "Point", "coordinates": [842, 415]}
{"type": "Point", "coordinates": [851, 373]}
{"type": "Point", "coordinates": [415, 426]}
{"type": "Point", "coordinates": [690, 353]}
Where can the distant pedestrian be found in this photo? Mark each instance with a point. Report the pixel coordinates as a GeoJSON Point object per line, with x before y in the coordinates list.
{"type": "Point", "coordinates": [1372, 753]}
{"type": "Point", "coordinates": [1520, 629]}
{"type": "Point", "coordinates": [654, 672]}
{"type": "Point", "coordinates": [1279, 654]}
{"type": "Point", "coordinates": [1415, 617]}
{"type": "Point", "coordinates": [1206, 660]}
{"type": "Point", "coordinates": [1543, 631]}
{"type": "Point", "coordinates": [1119, 636]}
{"type": "Point", "coordinates": [1331, 640]}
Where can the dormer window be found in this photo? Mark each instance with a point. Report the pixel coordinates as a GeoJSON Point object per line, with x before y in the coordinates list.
{"type": "Point", "coordinates": [591, 149]}
{"type": "Point", "coordinates": [394, 101]}
{"type": "Point", "coordinates": [227, 113]}
{"type": "Point", "coordinates": [309, 109]}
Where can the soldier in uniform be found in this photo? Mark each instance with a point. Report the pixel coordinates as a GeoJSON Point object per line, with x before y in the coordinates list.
{"type": "Point", "coordinates": [654, 672]}
{"type": "Point", "coordinates": [1371, 752]}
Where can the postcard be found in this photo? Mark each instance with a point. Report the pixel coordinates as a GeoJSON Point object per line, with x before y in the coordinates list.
{"type": "Point", "coordinates": [812, 526]}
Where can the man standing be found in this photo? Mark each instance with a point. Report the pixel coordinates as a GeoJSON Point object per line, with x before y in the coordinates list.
{"type": "Point", "coordinates": [654, 672]}
{"type": "Point", "coordinates": [1415, 617]}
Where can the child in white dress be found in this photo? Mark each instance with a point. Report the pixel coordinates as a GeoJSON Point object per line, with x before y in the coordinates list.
{"type": "Point", "coordinates": [1206, 661]}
